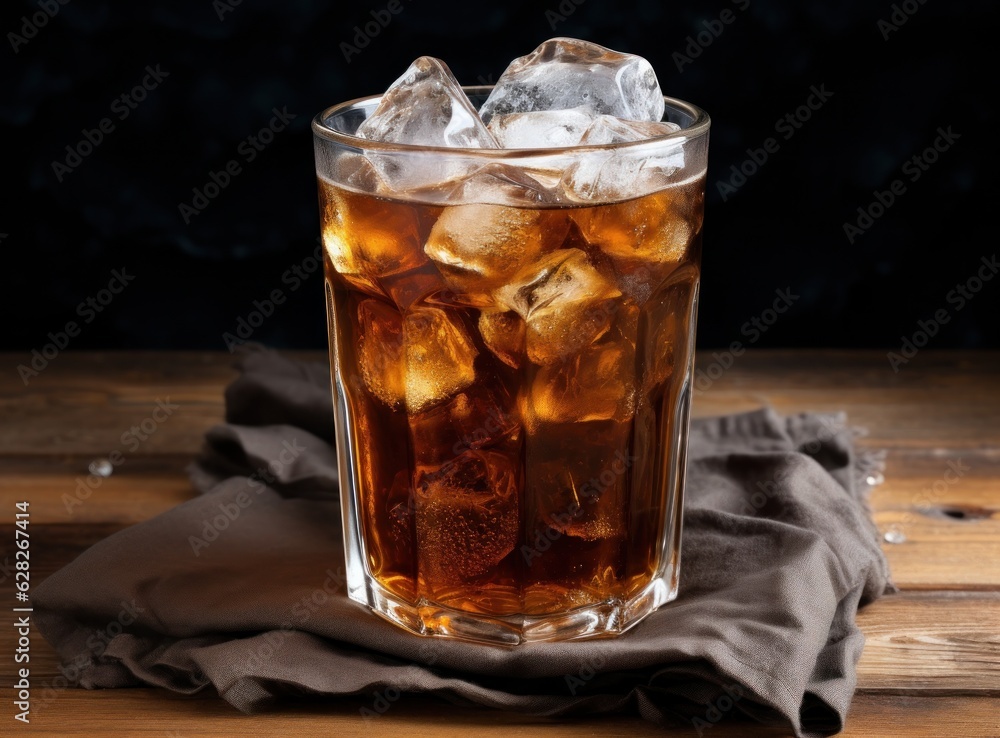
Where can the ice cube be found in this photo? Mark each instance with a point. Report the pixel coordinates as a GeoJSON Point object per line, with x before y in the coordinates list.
{"type": "Point", "coordinates": [500, 184]}
{"type": "Point", "coordinates": [565, 73]}
{"type": "Point", "coordinates": [565, 302]}
{"type": "Point", "coordinates": [468, 516]}
{"type": "Point", "coordinates": [483, 416]}
{"type": "Point", "coordinates": [598, 383]}
{"type": "Point", "coordinates": [624, 172]}
{"type": "Point", "coordinates": [607, 129]}
{"type": "Point", "coordinates": [503, 334]}
{"type": "Point", "coordinates": [426, 106]}
{"type": "Point", "coordinates": [541, 129]}
{"type": "Point", "coordinates": [417, 359]}
{"type": "Point", "coordinates": [666, 320]}
{"type": "Point", "coordinates": [576, 479]}
{"type": "Point", "coordinates": [655, 229]}
{"type": "Point", "coordinates": [478, 248]}
{"type": "Point", "coordinates": [367, 241]}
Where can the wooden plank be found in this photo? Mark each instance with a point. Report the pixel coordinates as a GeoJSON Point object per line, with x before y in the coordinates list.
{"type": "Point", "coordinates": [84, 402]}
{"type": "Point", "coordinates": [951, 520]}
{"type": "Point", "coordinates": [156, 713]}
{"type": "Point", "coordinates": [947, 507]}
{"type": "Point", "coordinates": [944, 642]}
{"type": "Point", "coordinates": [62, 490]}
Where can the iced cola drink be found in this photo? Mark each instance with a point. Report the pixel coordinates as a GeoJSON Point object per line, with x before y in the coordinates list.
{"type": "Point", "coordinates": [512, 298]}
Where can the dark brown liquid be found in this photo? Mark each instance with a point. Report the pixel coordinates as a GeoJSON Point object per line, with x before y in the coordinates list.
{"type": "Point", "coordinates": [512, 377]}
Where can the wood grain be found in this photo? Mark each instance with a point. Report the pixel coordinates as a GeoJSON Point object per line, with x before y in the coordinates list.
{"type": "Point", "coordinates": [145, 712]}
{"type": "Point", "coordinates": [931, 666]}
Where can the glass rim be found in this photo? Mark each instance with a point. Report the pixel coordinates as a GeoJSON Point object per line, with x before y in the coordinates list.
{"type": "Point", "coordinates": [701, 122]}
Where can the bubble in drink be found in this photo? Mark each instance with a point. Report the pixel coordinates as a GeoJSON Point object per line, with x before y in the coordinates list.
{"type": "Point", "coordinates": [565, 73]}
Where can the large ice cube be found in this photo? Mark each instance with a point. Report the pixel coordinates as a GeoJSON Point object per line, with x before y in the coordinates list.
{"type": "Point", "coordinates": [606, 129]}
{"type": "Point", "coordinates": [541, 129]}
{"type": "Point", "coordinates": [482, 416]}
{"type": "Point", "coordinates": [623, 172]}
{"type": "Point", "coordinates": [468, 516]}
{"type": "Point", "coordinates": [565, 301]}
{"type": "Point", "coordinates": [566, 73]}
{"type": "Point", "coordinates": [478, 248]}
{"type": "Point", "coordinates": [503, 333]}
{"type": "Point", "coordinates": [414, 360]}
{"type": "Point", "coordinates": [655, 229]}
{"type": "Point", "coordinates": [367, 241]}
{"type": "Point", "coordinates": [596, 384]}
{"type": "Point", "coordinates": [575, 482]}
{"type": "Point", "coordinates": [426, 106]}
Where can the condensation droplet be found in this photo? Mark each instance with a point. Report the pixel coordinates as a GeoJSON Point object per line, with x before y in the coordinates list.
{"type": "Point", "coordinates": [895, 534]}
{"type": "Point", "coordinates": [101, 468]}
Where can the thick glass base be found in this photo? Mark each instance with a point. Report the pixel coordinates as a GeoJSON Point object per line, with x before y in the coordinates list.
{"type": "Point", "coordinates": [603, 619]}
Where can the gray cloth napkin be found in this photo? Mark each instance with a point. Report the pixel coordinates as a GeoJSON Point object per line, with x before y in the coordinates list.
{"type": "Point", "coordinates": [241, 587]}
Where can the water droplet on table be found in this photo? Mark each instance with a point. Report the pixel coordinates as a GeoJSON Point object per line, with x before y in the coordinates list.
{"type": "Point", "coordinates": [895, 534]}
{"type": "Point", "coordinates": [101, 468]}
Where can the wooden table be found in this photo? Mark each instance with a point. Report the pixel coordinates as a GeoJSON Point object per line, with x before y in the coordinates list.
{"type": "Point", "coordinates": [931, 666]}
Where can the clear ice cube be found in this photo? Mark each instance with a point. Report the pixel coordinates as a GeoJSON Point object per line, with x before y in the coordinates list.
{"type": "Point", "coordinates": [541, 129]}
{"type": "Point", "coordinates": [565, 73]}
{"type": "Point", "coordinates": [478, 248]}
{"type": "Point", "coordinates": [564, 300]}
{"type": "Point", "coordinates": [417, 359]}
{"type": "Point", "coordinates": [427, 107]}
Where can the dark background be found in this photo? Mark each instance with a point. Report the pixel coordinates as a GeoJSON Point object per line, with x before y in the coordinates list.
{"type": "Point", "coordinates": [782, 229]}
